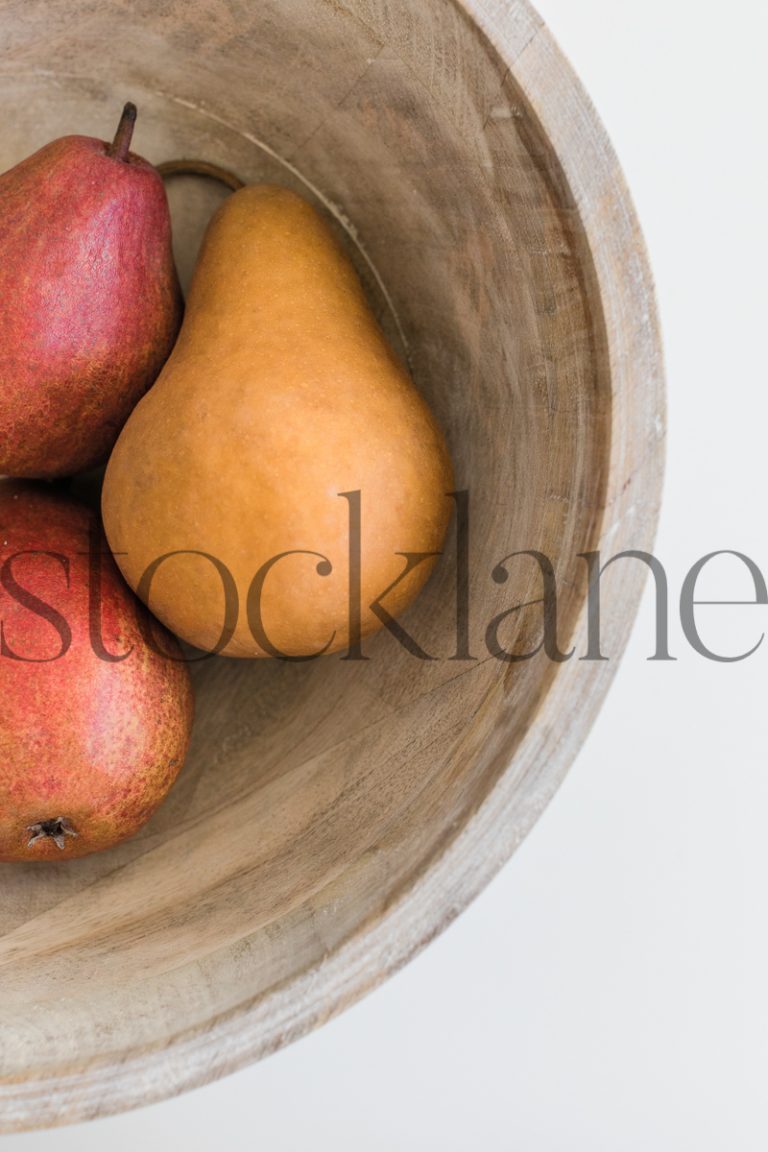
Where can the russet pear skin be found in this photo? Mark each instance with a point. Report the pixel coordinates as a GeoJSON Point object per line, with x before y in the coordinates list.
{"type": "Point", "coordinates": [91, 303]}
{"type": "Point", "coordinates": [280, 395]}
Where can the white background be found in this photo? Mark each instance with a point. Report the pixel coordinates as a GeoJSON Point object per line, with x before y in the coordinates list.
{"type": "Point", "coordinates": [607, 993]}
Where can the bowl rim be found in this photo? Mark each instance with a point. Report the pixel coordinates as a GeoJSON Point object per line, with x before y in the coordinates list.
{"type": "Point", "coordinates": [465, 865]}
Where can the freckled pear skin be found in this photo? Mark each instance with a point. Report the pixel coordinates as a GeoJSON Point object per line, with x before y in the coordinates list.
{"type": "Point", "coordinates": [91, 303]}
{"type": "Point", "coordinates": [88, 747]}
{"type": "Point", "coordinates": [280, 395]}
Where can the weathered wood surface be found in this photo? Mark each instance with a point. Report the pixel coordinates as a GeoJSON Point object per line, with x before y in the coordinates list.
{"type": "Point", "coordinates": [333, 816]}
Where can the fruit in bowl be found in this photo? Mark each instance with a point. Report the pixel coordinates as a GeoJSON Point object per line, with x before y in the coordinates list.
{"type": "Point", "coordinates": [284, 468]}
{"type": "Point", "coordinates": [91, 302]}
{"type": "Point", "coordinates": [95, 699]}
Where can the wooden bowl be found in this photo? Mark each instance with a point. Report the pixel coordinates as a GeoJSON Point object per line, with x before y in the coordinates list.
{"type": "Point", "coordinates": [335, 815]}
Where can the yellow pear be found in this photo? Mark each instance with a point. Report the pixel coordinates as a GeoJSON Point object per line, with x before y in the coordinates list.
{"type": "Point", "coordinates": [284, 472]}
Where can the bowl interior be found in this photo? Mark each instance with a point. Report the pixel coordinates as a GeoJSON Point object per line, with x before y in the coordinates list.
{"type": "Point", "coordinates": [316, 794]}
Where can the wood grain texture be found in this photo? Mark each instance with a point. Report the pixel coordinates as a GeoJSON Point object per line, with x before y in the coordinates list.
{"type": "Point", "coordinates": [334, 817]}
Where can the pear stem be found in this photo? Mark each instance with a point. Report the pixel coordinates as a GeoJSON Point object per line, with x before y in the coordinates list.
{"type": "Point", "coordinates": [200, 168]}
{"type": "Point", "coordinates": [121, 144]}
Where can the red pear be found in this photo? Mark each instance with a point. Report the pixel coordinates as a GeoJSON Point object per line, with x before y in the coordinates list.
{"type": "Point", "coordinates": [91, 303]}
{"type": "Point", "coordinates": [95, 700]}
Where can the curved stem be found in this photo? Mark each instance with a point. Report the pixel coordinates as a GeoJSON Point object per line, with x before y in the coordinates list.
{"type": "Point", "coordinates": [121, 144]}
{"type": "Point", "coordinates": [172, 168]}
